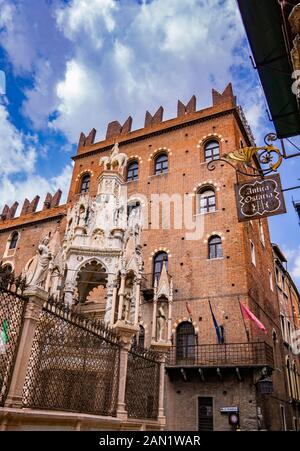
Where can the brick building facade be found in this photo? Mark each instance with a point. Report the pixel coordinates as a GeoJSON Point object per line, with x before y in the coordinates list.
{"type": "Point", "coordinates": [226, 265]}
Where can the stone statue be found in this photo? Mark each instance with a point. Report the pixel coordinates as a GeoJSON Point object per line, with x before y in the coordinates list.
{"type": "Point", "coordinates": [126, 307]}
{"type": "Point", "coordinates": [134, 220]}
{"type": "Point", "coordinates": [161, 324]}
{"type": "Point", "coordinates": [81, 217]}
{"type": "Point", "coordinates": [42, 260]}
{"type": "Point", "coordinates": [115, 160]}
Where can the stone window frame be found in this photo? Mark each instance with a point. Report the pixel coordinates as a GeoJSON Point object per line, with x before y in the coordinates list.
{"type": "Point", "coordinates": [130, 162]}
{"type": "Point", "coordinates": [156, 254]}
{"type": "Point", "coordinates": [79, 179]}
{"type": "Point", "coordinates": [152, 159]}
{"type": "Point", "coordinates": [210, 244]}
{"type": "Point", "coordinates": [203, 186]}
{"type": "Point", "coordinates": [205, 140]}
{"type": "Point", "coordinates": [199, 193]}
{"type": "Point", "coordinates": [8, 251]}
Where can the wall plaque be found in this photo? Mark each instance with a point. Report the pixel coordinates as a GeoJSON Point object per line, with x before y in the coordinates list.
{"type": "Point", "coordinates": [259, 198]}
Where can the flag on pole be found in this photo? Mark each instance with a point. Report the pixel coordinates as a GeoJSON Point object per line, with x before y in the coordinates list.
{"type": "Point", "coordinates": [218, 332]}
{"type": "Point", "coordinates": [247, 314]}
{"type": "Point", "coordinates": [189, 311]}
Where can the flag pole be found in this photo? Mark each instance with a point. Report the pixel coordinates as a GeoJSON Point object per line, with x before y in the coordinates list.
{"type": "Point", "coordinates": [246, 330]}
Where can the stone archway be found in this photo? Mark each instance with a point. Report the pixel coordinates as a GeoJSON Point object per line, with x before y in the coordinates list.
{"type": "Point", "coordinates": [91, 287]}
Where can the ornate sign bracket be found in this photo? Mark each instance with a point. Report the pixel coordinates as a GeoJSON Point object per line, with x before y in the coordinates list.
{"type": "Point", "coordinates": [266, 155]}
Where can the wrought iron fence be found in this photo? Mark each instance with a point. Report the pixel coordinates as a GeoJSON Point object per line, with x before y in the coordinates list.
{"type": "Point", "coordinates": [142, 384]}
{"type": "Point", "coordinates": [12, 308]}
{"type": "Point", "coordinates": [74, 364]}
{"type": "Point", "coordinates": [231, 354]}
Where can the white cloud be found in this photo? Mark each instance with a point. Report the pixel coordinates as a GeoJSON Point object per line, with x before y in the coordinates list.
{"type": "Point", "coordinates": [129, 57]}
{"type": "Point", "coordinates": [32, 185]}
{"type": "Point", "coordinates": [79, 98]}
{"type": "Point", "coordinates": [15, 155]}
{"type": "Point", "coordinates": [91, 18]}
{"type": "Point", "coordinates": [41, 98]}
{"type": "Point", "coordinates": [13, 35]}
{"type": "Point", "coordinates": [18, 166]}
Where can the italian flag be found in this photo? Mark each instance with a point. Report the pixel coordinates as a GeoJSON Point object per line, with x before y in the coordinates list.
{"type": "Point", "coordinates": [4, 338]}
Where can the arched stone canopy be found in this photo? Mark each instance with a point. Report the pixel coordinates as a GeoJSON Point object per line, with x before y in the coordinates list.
{"type": "Point", "coordinates": [92, 274]}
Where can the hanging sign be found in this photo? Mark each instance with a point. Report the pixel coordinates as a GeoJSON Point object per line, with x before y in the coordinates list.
{"type": "Point", "coordinates": [259, 198]}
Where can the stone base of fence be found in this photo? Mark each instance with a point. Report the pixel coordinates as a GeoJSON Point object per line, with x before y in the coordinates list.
{"type": "Point", "coordinates": [47, 420]}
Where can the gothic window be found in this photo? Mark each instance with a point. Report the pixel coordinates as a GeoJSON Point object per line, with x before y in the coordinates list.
{"type": "Point", "coordinates": [158, 261]}
{"type": "Point", "coordinates": [85, 183]}
{"type": "Point", "coordinates": [207, 201]}
{"type": "Point", "coordinates": [161, 164]}
{"type": "Point", "coordinates": [13, 240]}
{"type": "Point", "coordinates": [215, 247]}
{"type": "Point", "coordinates": [185, 341]}
{"type": "Point", "coordinates": [212, 151]}
{"type": "Point", "coordinates": [132, 171]}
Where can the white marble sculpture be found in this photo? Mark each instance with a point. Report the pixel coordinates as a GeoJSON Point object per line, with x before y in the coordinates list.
{"type": "Point", "coordinates": [37, 276]}
{"type": "Point", "coordinates": [115, 160]}
{"type": "Point", "coordinates": [161, 323]}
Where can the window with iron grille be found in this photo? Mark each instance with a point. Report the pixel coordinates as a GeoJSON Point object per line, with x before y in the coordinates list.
{"type": "Point", "coordinates": [215, 247]}
{"type": "Point", "coordinates": [205, 414]}
{"type": "Point", "coordinates": [14, 240]}
{"type": "Point", "coordinates": [85, 184]}
{"type": "Point", "coordinates": [158, 261]}
{"type": "Point", "coordinates": [212, 151]}
{"type": "Point", "coordinates": [185, 341]}
{"type": "Point", "coordinates": [207, 201]}
{"type": "Point", "coordinates": [132, 171]}
{"type": "Point", "coordinates": [161, 164]}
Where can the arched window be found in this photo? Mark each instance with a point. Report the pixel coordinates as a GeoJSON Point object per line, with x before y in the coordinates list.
{"type": "Point", "coordinates": [85, 183]}
{"type": "Point", "coordinates": [207, 201]}
{"type": "Point", "coordinates": [185, 341]}
{"type": "Point", "coordinates": [161, 164]}
{"type": "Point", "coordinates": [212, 151]}
{"type": "Point", "coordinates": [158, 261]}
{"type": "Point", "coordinates": [13, 240]}
{"type": "Point", "coordinates": [215, 247]}
{"type": "Point", "coordinates": [132, 171]}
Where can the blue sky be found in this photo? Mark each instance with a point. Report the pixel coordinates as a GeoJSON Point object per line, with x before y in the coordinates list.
{"type": "Point", "coordinates": [77, 64]}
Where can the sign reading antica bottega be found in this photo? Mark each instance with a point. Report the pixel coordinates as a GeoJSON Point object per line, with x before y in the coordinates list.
{"type": "Point", "coordinates": [259, 198]}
